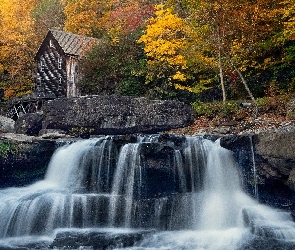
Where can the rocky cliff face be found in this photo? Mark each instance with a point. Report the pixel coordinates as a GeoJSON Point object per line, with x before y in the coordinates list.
{"type": "Point", "coordinates": [23, 159]}
{"type": "Point", "coordinates": [275, 161]}
{"type": "Point", "coordinates": [268, 163]}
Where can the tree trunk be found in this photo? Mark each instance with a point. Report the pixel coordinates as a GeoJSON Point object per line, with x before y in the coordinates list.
{"type": "Point", "coordinates": [244, 82]}
{"type": "Point", "coordinates": [220, 68]}
{"type": "Point", "coordinates": [246, 87]}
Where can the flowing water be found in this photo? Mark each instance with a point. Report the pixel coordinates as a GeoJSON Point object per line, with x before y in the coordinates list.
{"type": "Point", "coordinates": [189, 195]}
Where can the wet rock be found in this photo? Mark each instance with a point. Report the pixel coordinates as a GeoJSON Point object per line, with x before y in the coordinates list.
{"type": "Point", "coordinates": [161, 179]}
{"type": "Point", "coordinates": [98, 239]}
{"type": "Point", "coordinates": [264, 243]}
{"type": "Point", "coordinates": [236, 142]}
{"type": "Point", "coordinates": [265, 168]}
{"type": "Point", "coordinates": [175, 141]}
{"type": "Point", "coordinates": [242, 147]}
{"type": "Point", "coordinates": [23, 159]}
{"type": "Point", "coordinates": [275, 161]}
{"type": "Point", "coordinates": [116, 114]}
{"type": "Point", "coordinates": [278, 144]}
{"type": "Point", "coordinates": [28, 243]}
{"type": "Point", "coordinates": [291, 179]}
{"type": "Point", "coordinates": [261, 223]}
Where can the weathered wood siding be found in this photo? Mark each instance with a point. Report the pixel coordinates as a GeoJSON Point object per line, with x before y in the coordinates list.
{"type": "Point", "coordinates": [58, 63]}
{"type": "Point", "coordinates": [51, 70]}
{"type": "Point", "coordinates": [72, 69]}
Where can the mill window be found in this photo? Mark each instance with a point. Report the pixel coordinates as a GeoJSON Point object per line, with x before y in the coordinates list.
{"type": "Point", "coordinates": [42, 66]}
{"type": "Point", "coordinates": [59, 63]}
{"type": "Point", "coordinates": [59, 83]}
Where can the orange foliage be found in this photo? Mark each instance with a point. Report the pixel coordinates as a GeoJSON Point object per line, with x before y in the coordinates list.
{"type": "Point", "coordinates": [128, 18]}
{"type": "Point", "coordinates": [17, 43]}
{"type": "Point", "coordinates": [84, 16]}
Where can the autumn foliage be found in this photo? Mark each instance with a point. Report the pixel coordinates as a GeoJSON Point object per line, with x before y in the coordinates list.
{"type": "Point", "coordinates": [176, 49]}
{"type": "Point", "coordinates": [164, 44]}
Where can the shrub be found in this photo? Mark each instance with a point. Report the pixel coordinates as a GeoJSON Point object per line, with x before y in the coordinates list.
{"type": "Point", "coordinates": [213, 109]}
{"type": "Point", "coordinates": [5, 149]}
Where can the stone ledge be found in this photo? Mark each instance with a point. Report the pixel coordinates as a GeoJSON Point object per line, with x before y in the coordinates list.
{"type": "Point", "coordinates": [116, 114]}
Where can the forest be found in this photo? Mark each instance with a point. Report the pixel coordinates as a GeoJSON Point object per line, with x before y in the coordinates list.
{"type": "Point", "coordinates": [190, 50]}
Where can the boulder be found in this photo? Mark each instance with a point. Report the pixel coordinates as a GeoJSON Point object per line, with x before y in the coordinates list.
{"type": "Point", "coordinates": [6, 124]}
{"type": "Point", "coordinates": [29, 124]}
{"type": "Point", "coordinates": [277, 144]}
{"type": "Point", "coordinates": [267, 162]}
{"type": "Point", "coordinates": [98, 239]}
{"type": "Point", "coordinates": [23, 159]}
{"type": "Point", "coordinates": [115, 115]}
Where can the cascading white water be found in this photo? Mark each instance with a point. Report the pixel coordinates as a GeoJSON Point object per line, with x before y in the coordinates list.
{"type": "Point", "coordinates": [95, 184]}
{"type": "Point", "coordinates": [227, 218]}
{"type": "Point", "coordinates": [123, 183]}
{"type": "Point", "coordinates": [256, 195]}
{"type": "Point", "coordinates": [220, 205]}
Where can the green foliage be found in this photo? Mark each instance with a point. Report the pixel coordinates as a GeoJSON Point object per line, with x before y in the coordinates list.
{"type": "Point", "coordinates": [131, 86]}
{"type": "Point", "coordinates": [48, 14]}
{"type": "Point", "coordinates": [214, 109]}
{"type": "Point", "coordinates": [114, 66]}
{"type": "Point", "coordinates": [6, 148]}
{"type": "Point", "coordinates": [276, 103]}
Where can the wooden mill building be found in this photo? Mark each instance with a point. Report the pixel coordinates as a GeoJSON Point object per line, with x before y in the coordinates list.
{"type": "Point", "coordinates": [58, 63]}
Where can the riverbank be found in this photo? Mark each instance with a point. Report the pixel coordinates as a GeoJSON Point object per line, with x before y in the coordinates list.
{"type": "Point", "coordinates": [248, 125]}
{"type": "Point", "coordinates": [271, 113]}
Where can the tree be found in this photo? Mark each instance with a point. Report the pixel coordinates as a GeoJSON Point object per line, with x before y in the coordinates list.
{"type": "Point", "coordinates": [85, 17]}
{"type": "Point", "coordinates": [209, 25]}
{"type": "Point", "coordinates": [48, 14]}
{"type": "Point", "coordinates": [236, 31]}
{"type": "Point", "coordinates": [279, 62]}
{"type": "Point", "coordinates": [114, 66]}
{"type": "Point", "coordinates": [289, 19]}
{"type": "Point", "coordinates": [122, 71]}
{"type": "Point", "coordinates": [164, 44]}
{"type": "Point", "coordinates": [17, 46]}
{"type": "Point", "coordinates": [125, 19]}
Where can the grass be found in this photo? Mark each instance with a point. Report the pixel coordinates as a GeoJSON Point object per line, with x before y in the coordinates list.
{"type": "Point", "coordinates": [5, 149]}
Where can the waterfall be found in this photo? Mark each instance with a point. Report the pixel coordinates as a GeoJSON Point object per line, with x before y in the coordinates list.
{"type": "Point", "coordinates": [256, 195]}
{"type": "Point", "coordinates": [220, 205]}
{"type": "Point", "coordinates": [123, 183]}
{"type": "Point", "coordinates": [188, 189]}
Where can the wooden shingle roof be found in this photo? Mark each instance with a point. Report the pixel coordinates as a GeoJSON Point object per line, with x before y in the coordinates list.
{"type": "Point", "coordinates": [73, 44]}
